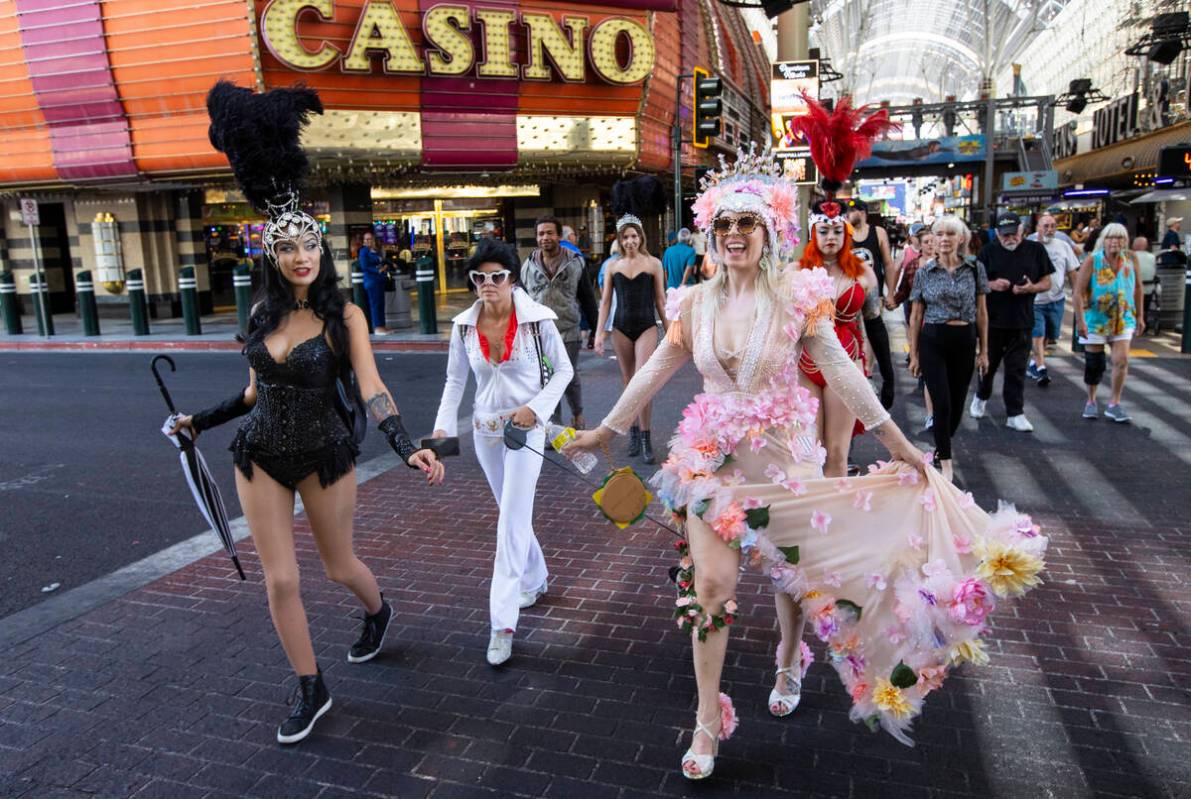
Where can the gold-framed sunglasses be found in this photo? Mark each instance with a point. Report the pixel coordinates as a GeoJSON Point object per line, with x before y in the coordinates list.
{"type": "Point", "coordinates": [743, 224]}
{"type": "Point", "coordinates": [495, 278]}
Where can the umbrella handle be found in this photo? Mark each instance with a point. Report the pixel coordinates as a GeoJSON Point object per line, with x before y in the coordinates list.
{"type": "Point", "coordinates": [160, 385]}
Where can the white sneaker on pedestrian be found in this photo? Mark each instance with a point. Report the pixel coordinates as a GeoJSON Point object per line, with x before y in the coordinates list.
{"type": "Point", "coordinates": [500, 647]}
{"type": "Point", "coordinates": [977, 409]}
{"type": "Point", "coordinates": [530, 598]}
{"type": "Point", "coordinates": [1019, 423]}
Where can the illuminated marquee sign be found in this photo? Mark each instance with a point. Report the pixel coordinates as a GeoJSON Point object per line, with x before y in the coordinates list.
{"type": "Point", "coordinates": [451, 34]}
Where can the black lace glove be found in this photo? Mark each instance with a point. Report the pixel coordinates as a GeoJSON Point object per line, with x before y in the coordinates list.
{"type": "Point", "coordinates": [218, 414]}
{"type": "Point", "coordinates": [398, 438]}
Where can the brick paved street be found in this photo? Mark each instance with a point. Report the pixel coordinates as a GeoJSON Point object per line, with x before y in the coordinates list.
{"type": "Point", "coordinates": [175, 690]}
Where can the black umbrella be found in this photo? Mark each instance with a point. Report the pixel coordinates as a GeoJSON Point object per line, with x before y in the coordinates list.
{"type": "Point", "coordinates": [198, 475]}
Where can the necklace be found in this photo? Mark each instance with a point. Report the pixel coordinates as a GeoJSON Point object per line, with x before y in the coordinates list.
{"type": "Point", "coordinates": [301, 305]}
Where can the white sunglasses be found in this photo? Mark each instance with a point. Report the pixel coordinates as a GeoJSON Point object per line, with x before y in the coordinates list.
{"type": "Point", "coordinates": [495, 278]}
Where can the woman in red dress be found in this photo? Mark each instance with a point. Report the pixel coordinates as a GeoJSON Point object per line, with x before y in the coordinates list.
{"type": "Point", "coordinates": [830, 247]}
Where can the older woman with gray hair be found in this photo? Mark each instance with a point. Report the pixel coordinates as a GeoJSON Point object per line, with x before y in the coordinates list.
{"type": "Point", "coordinates": [948, 320]}
{"type": "Point", "coordinates": [1108, 311]}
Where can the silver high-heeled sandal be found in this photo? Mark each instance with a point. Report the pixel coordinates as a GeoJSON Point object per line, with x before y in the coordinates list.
{"type": "Point", "coordinates": [782, 705]}
{"type": "Point", "coordinates": [699, 767]}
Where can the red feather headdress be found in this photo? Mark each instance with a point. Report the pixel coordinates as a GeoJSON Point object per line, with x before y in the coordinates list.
{"type": "Point", "coordinates": [840, 138]}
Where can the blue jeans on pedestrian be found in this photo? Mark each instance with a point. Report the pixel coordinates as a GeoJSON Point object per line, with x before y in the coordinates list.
{"type": "Point", "coordinates": [1048, 319]}
{"type": "Point", "coordinates": [376, 302]}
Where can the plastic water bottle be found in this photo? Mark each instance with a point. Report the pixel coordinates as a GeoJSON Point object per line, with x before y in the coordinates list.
{"type": "Point", "coordinates": [560, 436]}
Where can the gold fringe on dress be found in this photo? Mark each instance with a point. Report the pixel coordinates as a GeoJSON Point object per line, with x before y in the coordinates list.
{"type": "Point", "coordinates": [825, 308]}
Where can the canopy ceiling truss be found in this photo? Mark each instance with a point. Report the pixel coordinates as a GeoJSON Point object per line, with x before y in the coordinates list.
{"type": "Point", "coordinates": [898, 50]}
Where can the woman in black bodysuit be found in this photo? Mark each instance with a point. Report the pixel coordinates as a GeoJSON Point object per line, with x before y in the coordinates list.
{"type": "Point", "coordinates": [302, 337]}
{"type": "Point", "coordinates": [639, 282]}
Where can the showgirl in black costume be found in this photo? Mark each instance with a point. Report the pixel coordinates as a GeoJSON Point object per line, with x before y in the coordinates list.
{"type": "Point", "coordinates": [302, 340]}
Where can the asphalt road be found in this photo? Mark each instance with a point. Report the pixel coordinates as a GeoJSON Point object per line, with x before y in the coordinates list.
{"type": "Point", "coordinates": [88, 483]}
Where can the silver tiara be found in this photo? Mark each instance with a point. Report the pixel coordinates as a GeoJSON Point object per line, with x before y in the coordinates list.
{"type": "Point", "coordinates": [626, 220]}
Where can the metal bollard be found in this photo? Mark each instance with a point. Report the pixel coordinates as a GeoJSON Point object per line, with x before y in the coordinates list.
{"type": "Point", "coordinates": [9, 305]}
{"type": "Point", "coordinates": [138, 307]}
{"type": "Point", "coordinates": [40, 294]}
{"type": "Point", "coordinates": [426, 308]}
{"type": "Point", "coordinates": [188, 289]}
{"type": "Point", "coordinates": [242, 285]}
{"type": "Point", "coordinates": [360, 297]}
{"type": "Point", "coordinates": [1185, 348]}
{"type": "Point", "coordinates": [88, 310]}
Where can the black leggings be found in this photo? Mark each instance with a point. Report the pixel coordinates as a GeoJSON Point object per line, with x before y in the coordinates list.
{"type": "Point", "coordinates": [947, 357]}
{"type": "Point", "coordinates": [878, 337]}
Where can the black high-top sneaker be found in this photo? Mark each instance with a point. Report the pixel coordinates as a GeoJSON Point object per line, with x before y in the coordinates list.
{"type": "Point", "coordinates": [634, 441]}
{"type": "Point", "coordinates": [372, 636]}
{"type": "Point", "coordinates": [646, 447]}
{"type": "Point", "coordinates": [310, 700]}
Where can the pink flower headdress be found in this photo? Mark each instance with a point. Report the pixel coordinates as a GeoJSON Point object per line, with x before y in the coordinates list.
{"type": "Point", "coordinates": [753, 183]}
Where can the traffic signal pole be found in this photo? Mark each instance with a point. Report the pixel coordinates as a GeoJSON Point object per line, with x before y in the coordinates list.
{"type": "Point", "coordinates": [676, 141]}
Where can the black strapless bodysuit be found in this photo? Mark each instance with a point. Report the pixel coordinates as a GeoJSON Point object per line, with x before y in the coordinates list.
{"type": "Point", "coordinates": [294, 429]}
{"type": "Point", "coordinates": [636, 310]}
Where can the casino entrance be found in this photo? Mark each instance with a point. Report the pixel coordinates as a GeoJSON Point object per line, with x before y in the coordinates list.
{"type": "Point", "coordinates": [436, 233]}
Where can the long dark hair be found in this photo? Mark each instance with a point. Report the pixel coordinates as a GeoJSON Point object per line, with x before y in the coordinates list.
{"type": "Point", "coordinates": [275, 298]}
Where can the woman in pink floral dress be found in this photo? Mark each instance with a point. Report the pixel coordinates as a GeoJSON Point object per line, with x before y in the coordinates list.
{"type": "Point", "coordinates": [896, 571]}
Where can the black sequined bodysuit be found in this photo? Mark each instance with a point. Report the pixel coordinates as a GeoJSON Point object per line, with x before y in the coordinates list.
{"type": "Point", "coordinates": [294, 429]}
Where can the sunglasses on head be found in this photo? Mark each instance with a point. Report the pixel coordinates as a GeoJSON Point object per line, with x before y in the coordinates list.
{"type": "Point", "coordinates": [744, 225]}
{"type": "Point", "coordinates": [495, 278]}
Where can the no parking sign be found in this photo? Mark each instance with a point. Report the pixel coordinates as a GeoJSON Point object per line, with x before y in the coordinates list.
{"type": "Point", "coordinates": [29, 213]}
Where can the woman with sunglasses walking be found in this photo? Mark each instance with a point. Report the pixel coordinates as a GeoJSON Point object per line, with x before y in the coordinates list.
{"type": "Point", "coordinates": [637, 281]}
{"type": "Point", "coordinates": [894, 570]}
{"type": "Point", "coordinates": [510, 343]}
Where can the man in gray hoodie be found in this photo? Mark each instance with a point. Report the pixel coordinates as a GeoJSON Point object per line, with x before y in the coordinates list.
{"type": "Point", "coordinates": [556, 277]}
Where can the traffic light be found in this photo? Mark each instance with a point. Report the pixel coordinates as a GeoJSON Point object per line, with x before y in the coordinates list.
{"type": "Point", "coordinates": [708, 106]}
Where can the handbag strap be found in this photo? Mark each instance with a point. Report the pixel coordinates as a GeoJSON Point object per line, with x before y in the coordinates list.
{"type": "Point", "coordinates": [544, 371]}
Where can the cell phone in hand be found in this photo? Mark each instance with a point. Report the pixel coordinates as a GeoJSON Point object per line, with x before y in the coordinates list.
{"type": "Point", "coordinates": [441, 447]}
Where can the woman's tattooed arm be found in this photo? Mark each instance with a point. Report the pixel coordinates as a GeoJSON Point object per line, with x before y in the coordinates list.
{"type": "Point", "coordinates": [381, 406]}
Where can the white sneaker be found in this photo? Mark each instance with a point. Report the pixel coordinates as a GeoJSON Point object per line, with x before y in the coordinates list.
{"type": "Point", "coordinates": [530, 598]}
{"type": "Point", "coordinates": [1019, 423]}
{"type": "Point", "coordinates": [500, 647]}
{"type": "Point", "coordinates": [977, 409]}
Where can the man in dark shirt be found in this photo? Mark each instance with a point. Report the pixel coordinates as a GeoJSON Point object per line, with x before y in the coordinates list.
{"type": "Point", "coordinates": [1017, 270]}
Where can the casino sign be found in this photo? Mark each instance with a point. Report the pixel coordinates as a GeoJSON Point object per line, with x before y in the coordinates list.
{"type": "Point", "coordinates": [620, 50]}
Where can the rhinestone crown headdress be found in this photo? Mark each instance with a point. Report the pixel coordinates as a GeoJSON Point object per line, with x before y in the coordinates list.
{"type": "Point", "coordinates": [626, 220]}
{"type": "Point", "coordinates": [827, 212]}
{"type": "Point", "coordinates": [288, 222]}
{"type": "Point", "coordinates": [753, 183]}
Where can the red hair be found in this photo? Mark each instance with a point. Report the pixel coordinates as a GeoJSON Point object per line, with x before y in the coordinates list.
{"type": "Point", "coordinates": [851, 266]}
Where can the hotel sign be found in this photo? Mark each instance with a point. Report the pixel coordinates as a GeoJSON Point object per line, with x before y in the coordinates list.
{"type": "Point", "coordinates": [1115, 122]}
{"type": "Point", "coordinates": [461, 40]}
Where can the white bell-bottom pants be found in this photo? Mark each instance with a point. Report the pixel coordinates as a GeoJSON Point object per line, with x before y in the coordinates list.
{"type": "Point", "coordinates": [520, 565]}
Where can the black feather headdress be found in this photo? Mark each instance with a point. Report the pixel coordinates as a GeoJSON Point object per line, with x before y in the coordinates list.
{"type": "Point", "coordinates": [641, 196]}
{"type": "Point", "coordinates": [260, 135]}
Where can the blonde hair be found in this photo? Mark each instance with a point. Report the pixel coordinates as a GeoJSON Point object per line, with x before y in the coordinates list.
{"type": "Point", "coordinates": [765, 281]}
{"type": "Point", "coordinates": [953, 224]}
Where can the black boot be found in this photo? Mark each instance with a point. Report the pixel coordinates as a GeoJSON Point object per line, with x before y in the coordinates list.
{"type": "Point", "coordinates": [372, 635]}
{"type": "Point", "coordinates": [646, 447]}
{"type": "Point", "coordinates": [634, 441]}
{"type": "Point", "coordinates": [310, 700]}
